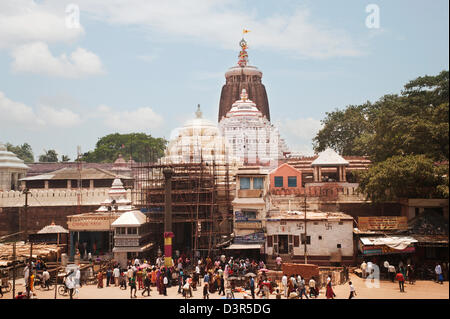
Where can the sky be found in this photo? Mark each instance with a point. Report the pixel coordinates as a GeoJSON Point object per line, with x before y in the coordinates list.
{"type": "Point", "coordinates": [74, 71]}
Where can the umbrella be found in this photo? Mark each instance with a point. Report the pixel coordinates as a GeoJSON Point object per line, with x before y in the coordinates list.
{"type": "Point", "coordinates": [145, 265]}
{"type": "Point", "coordinates": [264, 269]}
{"type": "Point", "coordinates": [53, 229]}
{"type": "Point", "coordinates": [250, 274]}
{"type": "Point", "coordinates": [232, 278]}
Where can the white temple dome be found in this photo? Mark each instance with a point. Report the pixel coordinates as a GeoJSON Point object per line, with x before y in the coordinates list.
{"type": "Point", "coordinates": [10, 160]}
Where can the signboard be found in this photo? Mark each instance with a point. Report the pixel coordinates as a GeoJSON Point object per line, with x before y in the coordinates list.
{"type": "Point", "coordinates": [383, 223]}
{"type": "Point", "coordinates": [126, 242]}
{"type": "Point", "coordinates": [98, 223]}
{"type": "Point", "coordinates": [252, 224]}
{"type": "Point", "coordinates": [256, 238]}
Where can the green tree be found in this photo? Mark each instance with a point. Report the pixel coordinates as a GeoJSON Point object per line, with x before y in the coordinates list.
{"type": "Point", "coordinates": [24, 151]}
{"type": "Point", "coordinates": [49, 156]}
{"type": "Point", "coordinates": [140, 146]}
{"type": "Point", "coordinates": [409, 176]}
{"type": "Point", "coordinates": [341, 129]}
{"type": "Point", "coordinates": [415, 122]}
{"type": "Point", "coordinates": [65, 158]}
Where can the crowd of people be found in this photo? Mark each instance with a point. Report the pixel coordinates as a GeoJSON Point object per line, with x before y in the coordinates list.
{"type": "Point", "coordinates": [401, 273]}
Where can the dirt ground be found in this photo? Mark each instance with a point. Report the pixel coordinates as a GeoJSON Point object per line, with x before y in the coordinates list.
{"type": "Point", "coordinates": [386, 290]}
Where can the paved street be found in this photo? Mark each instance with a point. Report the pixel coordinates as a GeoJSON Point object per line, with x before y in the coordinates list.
{"type": "Point", "coordinates": [387, 290]}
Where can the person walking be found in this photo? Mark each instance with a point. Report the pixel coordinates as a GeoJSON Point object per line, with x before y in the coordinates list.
{"type": "Point", "coordinates": [302, 288]}
{"type": "Point", "coordinates": [330, 293]}
{"type": "Point", "coordinates": [364, 268]}
{"type": "Point", "coordinates": [46, 278]}
{"type": "Point", "coordinates": [205, 291]}
{"type": "Point", "coordinates": [401, 281]}
{"type": "Point", "coordinates": [392, 272]}
{"type": "Point", "coordinates": [70, 285]}
{"type": "Point", "coordinates": [116, 274]}
{"type": "Point", "coordinates": [252, 287]}
{"type": "Point", "coordinates": [165, 283]}
{"type": "Point", "coordinates": [410, 274]}
{"type": "Point", "coordinates": [140, 278]}
{"type": "Point", "coordinates": [438, 271]}
{"type": "Point", "coordinates": [132, 284]}
{"type": "Point", "coordinates": [108, 276]}
{"type": "Point", "coordinates": [352, 291]}
{"type": "Point", "coordinates": [312, 288]}
{"type": "Point", "coordinates": [146, 286]}
{"type": "Point", "coordinates": [221, 285]}
{"type": "Point", "coordinates": [284, 282]}
{"type": "Point", "coordinates": [99, 279]}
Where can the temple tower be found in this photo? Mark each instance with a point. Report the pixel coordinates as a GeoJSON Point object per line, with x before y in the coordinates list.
{"type": "Point", "coordinates": [243, 76]}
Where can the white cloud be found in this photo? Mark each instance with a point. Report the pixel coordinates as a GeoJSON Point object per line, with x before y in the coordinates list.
{"type": "Point", "coordinates": [299, 133]}
{"type": "Point", "coordinates": [59, 117]}
{"type": "Point", "coordinates": [17, 113]}
{"type": "Point", "coordinates": [221, 22]}
{"type": "Point", "coordinates": [140, 119]}
{"type": "Point", "coordinates": [37, 58]}
{"type": "Point", "coordinates": [23, 21]}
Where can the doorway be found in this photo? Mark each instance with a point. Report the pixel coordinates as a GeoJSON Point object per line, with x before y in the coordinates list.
{"type": "Point", "coordinates": [283, 244]}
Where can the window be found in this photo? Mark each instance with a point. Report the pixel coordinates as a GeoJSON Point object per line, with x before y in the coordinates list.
{"type": "Point", "coordinates": [316, 223]}
{"type": "Point", "coordinates": [258, 183]}
{"type": "Point", "coordinates": [120, 231]}
{"type": "Point", "coordinates": [308, 239]}
{"type": "Point", "coordinates": [296, 241]}
{"type": "Point", "coordinates": [320, 237]}
{"type": "Point", "coordinates": [341, 223]}
{"type": "Point", "coordinates": [245, 182]}
{"type": "Point", "coordinates": [292, 181]}
{"type": "Point", "coordinates": [249, 214]}
{"type": "Point", "coordinates": [282, 222]}
{"type": "Point", "coordinates": [278, 181]}
{"type": "Point", "coordinates": [338, 245]}
{"type": "Point", "coordinates": [132, 231]}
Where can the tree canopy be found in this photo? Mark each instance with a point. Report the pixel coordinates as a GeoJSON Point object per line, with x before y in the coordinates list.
{"type": "Point", "coordinates": [49, 156]}
{"type": "Point", "coordinates": [24, 151]}
{"type": "Point", "coordinates": [415, 122]}
{"type": "Point", "coordinates": [405, 135]}
{"type": "Point", "coordinates": [140, 146]}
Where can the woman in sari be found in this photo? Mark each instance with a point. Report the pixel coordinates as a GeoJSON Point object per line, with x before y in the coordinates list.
{"type": "Point", "coordinates": [330, 293]}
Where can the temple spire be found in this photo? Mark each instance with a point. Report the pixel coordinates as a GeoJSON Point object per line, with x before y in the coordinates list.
{"type": "Point", "coordinates": [243, 55]}
{"type": "Point", "coordinates": [198, 113]}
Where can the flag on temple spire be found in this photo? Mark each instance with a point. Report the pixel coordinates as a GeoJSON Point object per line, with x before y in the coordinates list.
{"type": "Point", "coordinates": [245, 31]}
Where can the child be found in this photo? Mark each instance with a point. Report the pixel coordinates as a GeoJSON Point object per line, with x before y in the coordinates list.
{"type": "Point", "coordinates": [352, 290]}
{"type": "Point", "coordinates": [205, 292]}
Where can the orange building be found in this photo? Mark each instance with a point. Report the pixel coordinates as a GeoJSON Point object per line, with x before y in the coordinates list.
{"type": "Point", "coordinates": [286, 177]}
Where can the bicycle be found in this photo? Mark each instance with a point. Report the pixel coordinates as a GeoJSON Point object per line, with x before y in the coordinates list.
{"type": "Point", "coordinates": [64, 291]}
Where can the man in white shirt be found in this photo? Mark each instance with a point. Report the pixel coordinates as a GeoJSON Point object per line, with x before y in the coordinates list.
{"type": "Point", "coordinates": [364, 268]}
{"type": "Point", "coordinates": [46, 278]}
{"type": "Point", "coordinates": [284, 282]}
{"type": "Point", "coordinates": [130, 273]}
{"type": "Point", "coordinates": [391, 270]}
{"type": "Point", "coordinates": [116, 274]}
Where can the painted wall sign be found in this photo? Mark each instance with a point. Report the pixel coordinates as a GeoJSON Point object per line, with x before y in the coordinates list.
{"type": "Point", "coordinates": [383, 223]}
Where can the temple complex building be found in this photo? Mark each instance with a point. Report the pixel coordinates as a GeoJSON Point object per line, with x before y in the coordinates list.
{"type": "Point", "coordinates": [12, 169]}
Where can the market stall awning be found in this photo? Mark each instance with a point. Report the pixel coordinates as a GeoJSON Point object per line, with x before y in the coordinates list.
{"type": "Point", "coordinates": [244, 246]}
{"type": "Point", "coordinates": [386, 245]}
{"type": "Point", "coordinates": [398, 243]}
